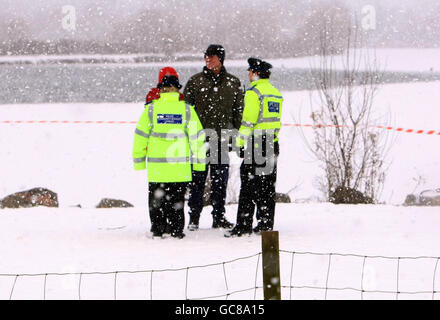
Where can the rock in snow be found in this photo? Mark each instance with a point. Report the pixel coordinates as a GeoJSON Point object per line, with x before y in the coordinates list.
{"type": "Point", "coordinates": [112, 203]}
{"type": "Point", "coordinates": [30, 198]}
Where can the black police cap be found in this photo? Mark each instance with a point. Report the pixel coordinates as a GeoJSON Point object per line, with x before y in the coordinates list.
{"type": "Point", "coordinates": [258, 65]}
{"type": "Point", "coordinates": [170, 81]}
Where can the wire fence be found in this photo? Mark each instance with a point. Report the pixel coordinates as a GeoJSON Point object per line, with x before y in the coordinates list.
{"type": "Point", "coordinates": [294, 277]}
{"type": "Point", "coordinates": [397, 292]}
{"type": "Point", "coordinates": [151, 275]}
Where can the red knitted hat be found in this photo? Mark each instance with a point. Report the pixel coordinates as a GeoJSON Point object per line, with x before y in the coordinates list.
{"type": "Point", "coordinates": [167, 71]}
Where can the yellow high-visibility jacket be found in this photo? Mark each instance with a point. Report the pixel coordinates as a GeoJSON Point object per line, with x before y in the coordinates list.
{"type": "Point", "coordinates": [170, 138]}
{"type": "Point", "coordinates": [262, 111]}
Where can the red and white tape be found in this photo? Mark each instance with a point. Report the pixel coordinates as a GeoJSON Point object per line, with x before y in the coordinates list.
{"type": "Point", "coordinates": [66, 122]}
{"type": "Point", "coordinates": [398, 129]}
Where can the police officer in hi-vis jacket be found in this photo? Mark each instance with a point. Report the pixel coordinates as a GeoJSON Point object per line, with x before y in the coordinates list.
{"type": "Point", "coordinates": [258, 144]}
{"type": "Point", "coordinates": [169, 142]}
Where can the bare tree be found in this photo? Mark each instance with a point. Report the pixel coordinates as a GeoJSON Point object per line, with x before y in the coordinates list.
{"type": "Point", "coordinates": [346, 139]}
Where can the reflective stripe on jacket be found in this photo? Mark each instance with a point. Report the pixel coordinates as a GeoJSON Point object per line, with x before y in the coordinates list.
{"type": "Point", "coordinates": [262, 111]}
{"type": "Point", "coordinates": [170, 137]}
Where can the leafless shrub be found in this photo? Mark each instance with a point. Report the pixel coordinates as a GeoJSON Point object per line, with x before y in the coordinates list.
{"type": "Point", "coordinates": [346, 139]}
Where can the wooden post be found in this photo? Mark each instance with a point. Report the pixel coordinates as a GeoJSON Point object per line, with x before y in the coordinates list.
{"type": "Point", "coordinates": [271, 265]}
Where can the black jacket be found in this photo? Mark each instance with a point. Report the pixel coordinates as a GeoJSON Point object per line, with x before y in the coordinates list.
{"type": "Point", "coordinates": [218, 99]}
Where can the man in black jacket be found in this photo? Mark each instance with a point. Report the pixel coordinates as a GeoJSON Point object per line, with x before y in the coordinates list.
{"type": "Point", "coordinates": [218, 100]}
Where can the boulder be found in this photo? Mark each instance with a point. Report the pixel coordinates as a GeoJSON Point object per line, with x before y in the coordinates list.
{"type": "Point", "coordinates": [435, 201]}
{"type": "Point", "coordinates": [282, 198]}
{"type": "Point", "coordinates": [30, 198]}
{"type": "Point", "coordinates": [425, 198]}
{"type": "Point", "coordinates": [429, 198]}
{"type": "Point", "coordinates": [113, 203]}
{"type": "Point", "coordinates": [345, 195]}
{"type": "Point", "coordinates": [411, 200]}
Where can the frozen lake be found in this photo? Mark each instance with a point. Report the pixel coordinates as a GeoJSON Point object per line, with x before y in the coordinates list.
{"type": "Point", "coordinates": [129, 82]}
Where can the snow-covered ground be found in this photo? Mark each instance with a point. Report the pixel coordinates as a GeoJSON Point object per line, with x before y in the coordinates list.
{"type": "Point", "coordinates": [73, 240]}
{"type": "Point", "coordinates": [86, 162]}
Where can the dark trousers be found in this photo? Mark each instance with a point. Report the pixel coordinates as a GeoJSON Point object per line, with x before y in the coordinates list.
{"type": "Point", "coordinates": [166, 202]}
{"type": "Point", "coordinates": [256, 191]}
{"type": "Point", "coordinates": [219, 174]}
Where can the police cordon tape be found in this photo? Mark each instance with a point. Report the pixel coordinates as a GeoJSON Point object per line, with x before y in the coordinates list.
{"type": "Point", "coordinates": [66, 122]}
{"type": "Point", "coordinates": [398, 129]}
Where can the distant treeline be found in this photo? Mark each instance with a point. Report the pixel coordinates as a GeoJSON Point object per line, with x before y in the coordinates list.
{"type": "Point", "coordinates": [277, 29]}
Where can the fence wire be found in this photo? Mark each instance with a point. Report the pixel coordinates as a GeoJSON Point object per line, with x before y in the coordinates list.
{"type": "Point", "coordinates": [228, 293]}
{"type": "Point", "coordinates": [361, 289]}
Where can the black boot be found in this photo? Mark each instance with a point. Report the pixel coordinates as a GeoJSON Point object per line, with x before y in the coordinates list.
{"type": "Point", "coordinates": [178, 235]}
{"type": "Point", "coordinates": [237, 232]}
{"type": "Point", "coordinates": [193, 224]}
{"type": "Point", "coordinates": [259, 228]}
{"type": "Point", "coordinates": [220, 221]}
{"type": "Point", "coordinates": [157, 234]}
